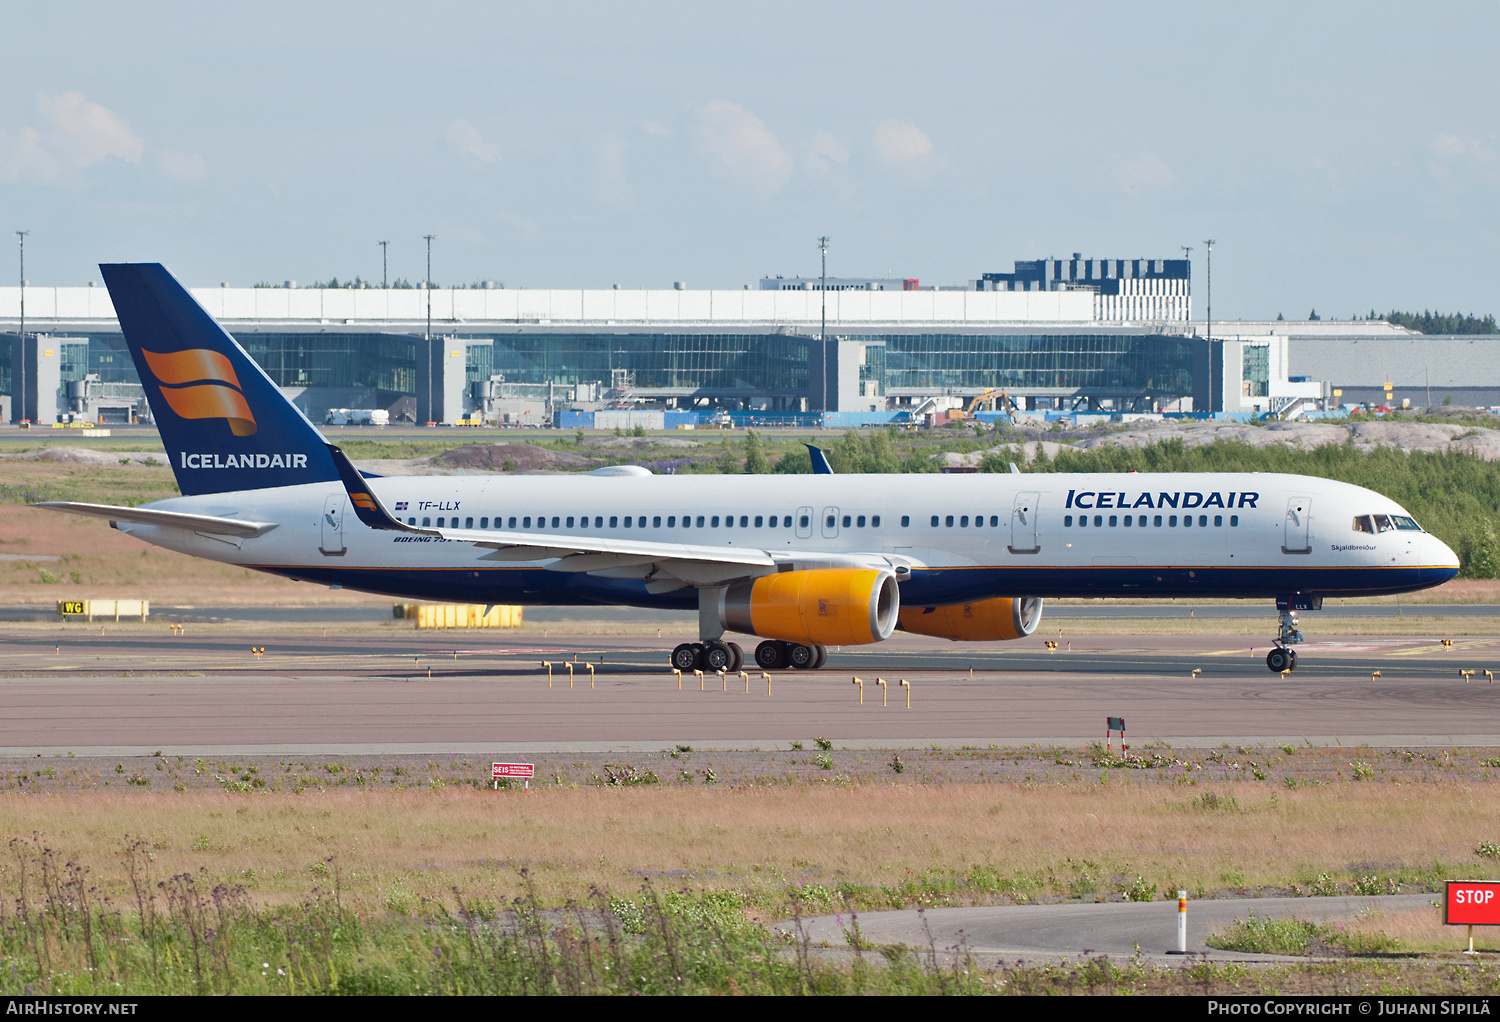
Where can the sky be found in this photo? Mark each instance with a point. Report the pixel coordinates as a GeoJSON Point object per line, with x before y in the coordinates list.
{"type": "Point", "coordinates": [1344, 156]}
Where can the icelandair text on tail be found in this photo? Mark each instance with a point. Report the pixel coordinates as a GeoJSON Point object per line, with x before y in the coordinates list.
{"type": "Point", "coordinates": [243, 460]}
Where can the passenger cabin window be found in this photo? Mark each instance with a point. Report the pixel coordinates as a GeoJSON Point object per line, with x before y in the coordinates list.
{"type": "Point", "coordinates": [906, 521]}
{"type": "Point", "coordinates": [874, 521]}
{"type": "Point", "coordinates": [806, 519]}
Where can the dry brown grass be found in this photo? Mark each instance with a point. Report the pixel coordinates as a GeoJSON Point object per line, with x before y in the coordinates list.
{"type": "Point", "coordinates": [97, 562]}
{"type": "Point", "coordinates": [926, 841]}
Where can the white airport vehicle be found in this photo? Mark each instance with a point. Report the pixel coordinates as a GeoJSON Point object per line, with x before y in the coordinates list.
{"type": "Point", "coordinates": [800, 562]}
{"type": "Point", "coordinates": [357, 417]}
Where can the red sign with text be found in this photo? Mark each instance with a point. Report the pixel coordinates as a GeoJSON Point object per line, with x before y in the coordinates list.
{"type": "Point", "coordinates": [1472, 902]}
{"type": "Point", "coordinates": [514, 770]}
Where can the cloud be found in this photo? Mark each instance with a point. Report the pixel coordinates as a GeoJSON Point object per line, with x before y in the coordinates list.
{"type": "Point", "coordinates": [465, 140]}
{"type": "Point", "coordinates": [610, 184]}
{"type": "Point", "coordinates": [71, 133]}
{"type": "Point", "coordinates": [742, 149]}
{"type": "Point", "coordinates": [900, 142]}
{"type": "Point", "coordinates": [1143, 172]}
{"type": "Point", "coordinates": [827, 154]}
{"type": "Point", "coordinates": [656, 129]}
{"type": "Point", "coordinates": [181, 166]}
{"type": "Point", "coordinates": [1449, 145]}
{"type": "Point", "coordinates": [1456, 159]}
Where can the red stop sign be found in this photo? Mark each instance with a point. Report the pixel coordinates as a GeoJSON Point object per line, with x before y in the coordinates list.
{"type": "Point", "coordinates": [1472, 903]}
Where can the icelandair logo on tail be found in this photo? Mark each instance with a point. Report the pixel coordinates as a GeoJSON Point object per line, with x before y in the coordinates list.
{"type": "Point", "coordinates": [242, 460]}
{"type": "Point", "coordinates": [201, 384]}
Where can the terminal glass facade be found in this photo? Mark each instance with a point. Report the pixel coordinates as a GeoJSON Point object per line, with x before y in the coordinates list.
{"type": "Point", "coordinates": [744, 364]}
{"type": "Point", "coordinates": [1085, 363]}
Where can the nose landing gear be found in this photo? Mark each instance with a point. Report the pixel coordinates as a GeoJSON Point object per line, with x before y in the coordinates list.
{"type": "Point", "coordinates": [1282, 657]}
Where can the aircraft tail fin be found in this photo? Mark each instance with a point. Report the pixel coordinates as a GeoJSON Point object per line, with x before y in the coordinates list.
{"type": "Point", "coordinates": [819, 458]}
{"type": "Point", "coordinates": [225, 424]}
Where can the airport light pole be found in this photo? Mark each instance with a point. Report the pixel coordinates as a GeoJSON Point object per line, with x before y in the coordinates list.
{"type": "Point", "coordinates": [823, 328]}
{"type": "Point", "coordinates": [1187, 255]}
{"type": "Point", "coordinates": [1208, 311]}
{"type": "Point", "coordinates": [427, 286]}
{"type": "Point", "coordinates": [20, 413]}
{"type": "Point", "coordinates": [384, 265]}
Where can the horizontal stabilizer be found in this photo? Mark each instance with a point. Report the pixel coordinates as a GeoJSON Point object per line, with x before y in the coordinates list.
{"type": "Point", "coordinates": [167, 519]}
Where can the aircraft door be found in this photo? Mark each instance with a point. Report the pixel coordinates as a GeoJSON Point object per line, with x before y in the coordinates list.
{"type": "Point", "coordinates": [804, 522]}
{"type": "Point", "coordinates": [1298, 538]}
{"type": "Point", "coordinates": [333, 526]}
{"type": "Point", "coordinates": [1023, 534]}
{"type": "Point", "coordinates": [830, 523]}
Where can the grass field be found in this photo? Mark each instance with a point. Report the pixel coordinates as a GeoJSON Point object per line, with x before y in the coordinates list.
{"type": "Point", "coordinates": [825, 844]}
{"type": "Point", "coordinates": [662, 889]}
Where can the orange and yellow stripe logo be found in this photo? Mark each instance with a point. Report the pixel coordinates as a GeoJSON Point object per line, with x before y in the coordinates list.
{"type": "Point", "coordinates": [201, 384]}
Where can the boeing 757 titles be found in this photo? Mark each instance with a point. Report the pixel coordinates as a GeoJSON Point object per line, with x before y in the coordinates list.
{"type": "Point", "coordinates": [801, 562]}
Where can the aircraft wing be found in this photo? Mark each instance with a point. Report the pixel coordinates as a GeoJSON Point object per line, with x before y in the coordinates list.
{"type": "Point", "coordinates": [171, 519]}
{"type": "Point", "coordinates": [577, 553]}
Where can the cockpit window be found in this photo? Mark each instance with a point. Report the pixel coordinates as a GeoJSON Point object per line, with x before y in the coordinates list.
{"type": "Point", "coordinates": [1385, 523]}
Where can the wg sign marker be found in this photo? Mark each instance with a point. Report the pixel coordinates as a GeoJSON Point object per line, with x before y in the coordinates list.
{"type": "Point", "coordinates": [1472, 903]}
{"type": "Point", "coordinates": [524, 771]}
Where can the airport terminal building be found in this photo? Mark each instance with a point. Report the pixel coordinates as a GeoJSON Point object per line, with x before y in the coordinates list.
{"type": "Point", "coordinates": [1053, 335]}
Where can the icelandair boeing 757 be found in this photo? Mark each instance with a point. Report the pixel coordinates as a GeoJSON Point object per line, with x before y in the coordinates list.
{"type": "Point", "coordinates": [801, 562]}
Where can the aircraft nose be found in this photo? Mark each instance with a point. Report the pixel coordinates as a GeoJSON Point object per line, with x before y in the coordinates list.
{"type": "Point", "coordinates": [1439, 562]}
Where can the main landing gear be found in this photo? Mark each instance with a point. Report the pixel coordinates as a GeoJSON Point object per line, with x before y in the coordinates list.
{"type": "Point", "coordinates": [1282, 657]}
{"type": "Point", "coordinates": [771, 655]}
{"type": "Point", "coordinates": [774, 654]}
{"type": "Point", "coordinates": [713, 655]}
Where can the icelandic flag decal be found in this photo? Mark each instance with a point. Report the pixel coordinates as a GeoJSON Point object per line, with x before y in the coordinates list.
{"type": "Point", "coordinates": [400, 505]}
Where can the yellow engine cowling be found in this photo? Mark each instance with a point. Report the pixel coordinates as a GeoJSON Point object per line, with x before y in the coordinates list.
{"type": "Point", "coordinates": [824, 606]}
{"type": "Point", "coordinates": [982, 621]}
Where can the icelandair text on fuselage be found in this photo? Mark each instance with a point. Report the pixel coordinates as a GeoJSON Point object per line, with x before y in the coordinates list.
{"type": "Point", "coordinates": [243, 460]}
{"type": "Point", "coordinates": [1366, 1007]}
{"type": "Point", "coordinates": [1091, 501]}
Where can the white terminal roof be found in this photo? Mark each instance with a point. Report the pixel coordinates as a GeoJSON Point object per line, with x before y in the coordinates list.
{"type": "Point", "coordinates": [269, 305]}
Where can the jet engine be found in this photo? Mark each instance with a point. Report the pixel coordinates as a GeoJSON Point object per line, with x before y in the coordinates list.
{"type": "Point", "coordinates": [983, 621]}
{"type": "Point", "coordinates": [821, 606]}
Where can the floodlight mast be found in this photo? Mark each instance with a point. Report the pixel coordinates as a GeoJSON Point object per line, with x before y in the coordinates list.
{"type": "Point", "coordinates": [427, 286]}
{"type": "Point", "coordinates": [1208, 311]}
{"type": "Point", "coordinates": [384, 265]}
{"type": "Point", "coordinates": [1187, 255]}
{"type": "Point", "coordinates": [823, 327]}
{"type": "Point", "coordinates": [21, 389]}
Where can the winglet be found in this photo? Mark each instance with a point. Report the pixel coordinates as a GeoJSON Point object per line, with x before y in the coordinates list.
{"type": "Point", "coordinates": [819, 460]}
{"type": "Point", "coordinates": [366, 505]}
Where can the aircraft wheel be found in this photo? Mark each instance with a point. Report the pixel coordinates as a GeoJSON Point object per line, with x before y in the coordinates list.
{"type": "Point", "coordinates": [770, 655]}
{"type": "Point", "coordinates": [716, 656]}
{"type": "Point", "coordinates": [804, 658]}
{"type": "Point", "coordinates": [739, 656]}
{"type": "Point", "coordinates": [822, 652]}
{"type": "Point", "coordinates": [685, 657]}
{"type": "Point", "coordinates": [1293, 654]}
{"type": "Point", "coordinates": [1279, 660]}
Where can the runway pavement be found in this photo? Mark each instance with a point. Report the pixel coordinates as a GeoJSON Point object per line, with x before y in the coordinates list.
{"type": "Point", "coordinates": [132, 692]}
{"type": "Point", "coordinates": [1114, 928]}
